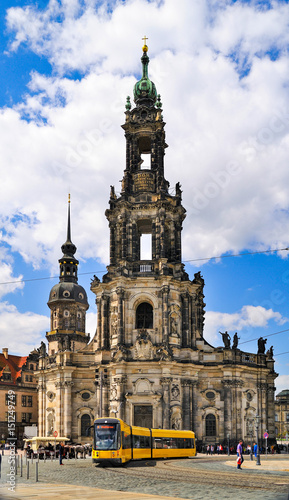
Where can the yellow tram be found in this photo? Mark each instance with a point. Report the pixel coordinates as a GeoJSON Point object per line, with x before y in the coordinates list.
{"type": "Point", "coordinates": [116, 442]}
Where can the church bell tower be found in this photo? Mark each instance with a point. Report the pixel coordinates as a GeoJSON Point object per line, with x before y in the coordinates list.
{"type": "Point", "coordinates": [149, 314]}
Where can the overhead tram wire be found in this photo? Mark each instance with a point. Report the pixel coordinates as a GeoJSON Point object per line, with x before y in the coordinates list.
{"type": "Point", "coordinates": [270, 335]}
{"type": "Point", "coordinates": [190, 260]}
{"type": "Point", "coordinates": [239, 254]}
{"type": "Point", "coordinates": [45, 278]}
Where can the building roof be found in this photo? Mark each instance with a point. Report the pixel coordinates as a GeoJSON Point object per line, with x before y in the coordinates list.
{"type": "Point", "coordinates": [283, 394]}
{"type": "Point", "coordinates": [14, 363]}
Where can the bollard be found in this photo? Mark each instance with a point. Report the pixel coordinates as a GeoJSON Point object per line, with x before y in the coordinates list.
{"type": "Point", "coordinates": [51, 457]}
{"type": "Point", "coordinates": [21, 467]}
{"type": "Point", "coordinates": [44, 458]}
{"type": "Point", "coordinates": [26, 460]}
{"type": "Point", "coordinates": [32, 457]}
{"type": "Point", "coordinates": [27, 470]}
{"type": "Point", "coordinates": [36, 472]}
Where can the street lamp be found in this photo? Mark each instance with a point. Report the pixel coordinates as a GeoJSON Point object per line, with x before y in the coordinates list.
{"type": "Point", "coordinates": [228, 436]}
{"type": "Point", "coordinates": [257, 432]}
{"type": "Point", "coordinates": [251, 434]}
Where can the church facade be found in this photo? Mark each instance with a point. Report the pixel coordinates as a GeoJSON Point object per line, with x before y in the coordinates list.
{"type": "Point", "coordinates": [148, 363]}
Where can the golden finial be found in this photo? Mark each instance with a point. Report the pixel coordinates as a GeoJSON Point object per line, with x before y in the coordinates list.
{"type": "Point", "coordinates": [145, 47]}
{"type": "Point", "coordinates": [69, 198]}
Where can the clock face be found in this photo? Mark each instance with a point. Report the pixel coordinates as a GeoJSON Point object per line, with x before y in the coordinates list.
{"type": "Point", "coordinates": [85, 396]}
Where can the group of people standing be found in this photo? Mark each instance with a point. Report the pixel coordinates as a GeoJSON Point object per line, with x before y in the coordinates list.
{"type": "Point", "coordinates": [240, 458]}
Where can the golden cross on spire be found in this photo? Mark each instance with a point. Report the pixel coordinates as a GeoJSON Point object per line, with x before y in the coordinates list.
{"type": "Point", "coordinates": [145, 39]}
{"type": "Point", "coordinates": [69, 198]}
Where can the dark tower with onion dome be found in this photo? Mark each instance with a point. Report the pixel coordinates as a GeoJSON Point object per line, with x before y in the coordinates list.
{"type": "Point", "coordinates": [67, 302]}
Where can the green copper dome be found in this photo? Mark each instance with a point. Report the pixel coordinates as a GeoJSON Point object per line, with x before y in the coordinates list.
{"type": "Point", "coordinates": [145, 89]}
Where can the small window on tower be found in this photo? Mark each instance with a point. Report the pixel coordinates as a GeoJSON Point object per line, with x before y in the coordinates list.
{"type": "Point", "coordinates": [145, 161]}
{"type": "Point", "coordinates": [66, 293]}
{"type": "Point", "coordinates": [146, 247]}
{"type": "Point", "coordinates": [144, 316]}
{"type": "Point", "coordinates": [66, 313]}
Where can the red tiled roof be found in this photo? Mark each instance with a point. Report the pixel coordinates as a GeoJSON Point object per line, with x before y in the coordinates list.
{"type": "Point", "coordinates": [15, 363]}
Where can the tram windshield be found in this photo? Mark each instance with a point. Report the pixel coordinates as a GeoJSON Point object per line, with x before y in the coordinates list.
{"type": "Point", "coordinates": [106, 437]}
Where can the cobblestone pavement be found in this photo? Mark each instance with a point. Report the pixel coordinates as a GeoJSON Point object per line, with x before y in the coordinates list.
{"type": "Point", "coordinates": [200, 478]}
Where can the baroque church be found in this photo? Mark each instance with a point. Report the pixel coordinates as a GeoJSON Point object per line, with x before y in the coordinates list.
{"type": "Point", "coordinates": [148, 363]}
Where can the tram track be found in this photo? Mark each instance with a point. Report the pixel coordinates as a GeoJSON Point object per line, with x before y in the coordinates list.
{"type": "Point", "coordinates": [167, 471]}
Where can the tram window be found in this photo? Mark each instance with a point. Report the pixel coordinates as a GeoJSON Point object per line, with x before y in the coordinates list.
{"type": "Point", "coordinates": [106, 437]}
{"type": "Point", "coordinates": [126, 441]}
{"type": "Point", "coordinates": [158, 443]}
{"type": "Point", "coordinates": [141, 441]}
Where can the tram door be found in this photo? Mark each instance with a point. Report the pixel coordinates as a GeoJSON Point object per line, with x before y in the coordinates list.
{"type": "Point", "coordinates": [143, 416]}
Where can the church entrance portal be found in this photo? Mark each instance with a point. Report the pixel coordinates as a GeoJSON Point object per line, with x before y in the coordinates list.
{"type": "Point", "coordinates": [143, 416]}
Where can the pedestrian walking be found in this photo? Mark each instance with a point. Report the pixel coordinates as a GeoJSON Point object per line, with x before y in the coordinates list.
{"type": "Point", "coordinates": [61, 452]}
{"type": "Point", "coordinates": [255, 450]}
{"type": "Point", "coordinates": [240, 458]}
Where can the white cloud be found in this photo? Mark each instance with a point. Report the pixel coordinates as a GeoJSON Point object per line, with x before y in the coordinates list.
{"type": "Point", "coordinates": [21, 332]}
{"type": "Point", "coordinates": [247, 318]}
{"type": "Point", "coordinates": [282, 383]}
{"type": "Point", "coordinates": [215, 120]}
{"type": "Point", "coordinates": [91, 322]}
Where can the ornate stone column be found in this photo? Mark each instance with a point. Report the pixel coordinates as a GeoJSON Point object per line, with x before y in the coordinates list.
{"type": "Point", "coordinates": [178, 242]}
{"type": "Point", "coordinates": [120, 325]}
{"type": "Point", "coordinates": [41, 406]}
{"type": "Point", "coordinates": [67, 408]}
{"type": "Point", "coordinates": [165, 312]}
{"type": "Point", "coordinates": [227, 384]}
{"type": "Point", "coordinates": [112, 242]}
{"type": "Point", "coordinates": [123, 239]}
{"type": "Point", "coordinates": [117, 400]}
{"type": "Point", "coordinates": [135, 244]}
{"type": "Point", "coordinates": [165, 382]}
{"type": "Point", "coordinates": [262, 390]}
{"type": "Point", "coordinates": [162, 238]}
{"type": "Point", "coordinates": [153, 240]}
{"type": "Point", "coordinates": [187, 403]}
{"type": "Point", "coordinates": [104, 322]}
{"type": "Point", "coordinates": [185, 320]}
{"type": "Point", "coordinates": [270, 410]}
{"type": "Point", "coordinates": [157, 239]}
{"type": "Point", "coordinates": [98, 336]}
{"type": "Point", "coordinates": [194, 406]}
{"type": "Point", "coordinates": [59, 408]}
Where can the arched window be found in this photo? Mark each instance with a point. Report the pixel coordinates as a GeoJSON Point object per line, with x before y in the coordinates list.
{"type": "Point", "coordinates": [144, 316]}
{"type": "Point", "coordinates": [210, 425]}
{"type": "Point", "coordinates": [85, 422]}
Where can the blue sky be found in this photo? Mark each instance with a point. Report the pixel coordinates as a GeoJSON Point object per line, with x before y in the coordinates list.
{"type": "Point", "coordinates": [222, 71]}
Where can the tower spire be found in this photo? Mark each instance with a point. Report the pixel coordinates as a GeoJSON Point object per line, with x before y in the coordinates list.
{"type": "Point", "coordinates": [145, 92]}
{"type": "Point", "coordinates": [68, 263]}
{"type": "Point", "coordinates": [68, 221]}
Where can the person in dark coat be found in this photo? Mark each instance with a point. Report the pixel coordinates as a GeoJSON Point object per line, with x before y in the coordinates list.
{"type": "Point", "coordinates": [61, 452]}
